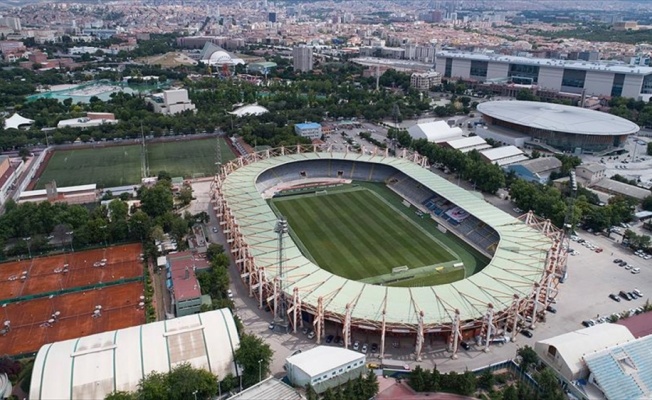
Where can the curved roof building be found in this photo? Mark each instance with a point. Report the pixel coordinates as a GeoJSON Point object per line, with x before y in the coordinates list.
{"type": "Point", "coordinates": [249, 109]}
{"type": "Point", "coordinates": [519, 261]}
{"type": "Point", "coordinates": [92, 367]}
{"type": "Point", "coordinates": [563, 127]}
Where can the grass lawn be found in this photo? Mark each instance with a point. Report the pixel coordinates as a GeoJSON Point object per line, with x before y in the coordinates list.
{"type": "Point", "coordinates": [120, 165]}
{"type": "Point", "coordinates": [356, 234]}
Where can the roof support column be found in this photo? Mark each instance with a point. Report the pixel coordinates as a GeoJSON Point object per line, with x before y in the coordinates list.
{"type": "Point", "coordinates": [382, 338]}
{"type": "Point", "coordinates": [515, 316]}
{"type": "Point", "coordinates": [320, 318]}
{"type": "Point", "coordinates": [260, 286]}
{"type": "Point", "coordinates": [346, 328]}
{"type": "Point", "coordinates": [420, 337]}
{"type": "Point", "coordinates": [297, 308]}
{"type": "Point", "coordinates": [455, 335]}
{"type": "Point", "coordinates": [490, 321]}
{"type": "Point", "coordinates": [535, 303]}
{"type": "Point", "coordinates": [276, 302]}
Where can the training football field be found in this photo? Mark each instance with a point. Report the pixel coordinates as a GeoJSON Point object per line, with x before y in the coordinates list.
{"type": "Point", "coordinates": [356, 234]}
{"type": "Point", "coordinates": [121, 165]}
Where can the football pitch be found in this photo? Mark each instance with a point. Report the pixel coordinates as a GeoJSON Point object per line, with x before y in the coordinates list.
{"type": "Point", "coordinates": [121, 165]}
{"type": "Point", "coordinates": [357, 234]}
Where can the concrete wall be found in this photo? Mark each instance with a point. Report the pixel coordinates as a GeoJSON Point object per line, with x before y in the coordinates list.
{"type": "Point", "coordinates": [497, 70]}
{"type": "Point", "coordinates": [598, 83]}
{"type": "Point", "coordinates": [461, 68]}
{"type": "Point", "coordinates": [632, 86]}
{"type": "Point", "coordinates": [550, 78]}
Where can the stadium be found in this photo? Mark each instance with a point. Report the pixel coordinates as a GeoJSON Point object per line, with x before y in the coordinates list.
{"type": "Point", "coordinates": [525, 258]}
{"type": "Point", "coordinates": [557, 126]}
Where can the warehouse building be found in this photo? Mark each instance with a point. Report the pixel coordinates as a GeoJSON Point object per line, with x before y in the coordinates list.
{"type": "Point", "coordinates": [467, 144]}
{"type": "Point", "coordinates": [92, 367]}
{"type": "Point", "coordinates": [324, 367]}
{"type": "Point", "coordinates": [503, 156]}
{"type": "Point", "coordinates": [537, 170]}
{"type": "Point", "coordinates": [435, 132]}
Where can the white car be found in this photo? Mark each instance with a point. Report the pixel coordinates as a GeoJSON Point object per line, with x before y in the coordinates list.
{"type": "Point", "coordinates": [636, 270]}
{"type": "Point", "coordinates": [229, 294]}
{"type": "Point", "coordinates": [638, 292]}
{"type": "Point", "coordinates": [364, 348]}
{"type": "Point", "coordinates": [356, 345]}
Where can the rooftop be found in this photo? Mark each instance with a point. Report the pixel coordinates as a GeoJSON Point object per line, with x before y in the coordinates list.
{"type": "Point", "coordinates": [270, 388]}
{"type": "Point", "coordinates": [541, 164]}
{"type": "Point", "coordinates": [608, 66]}
{"type": "Point", "coordinates": [621, 188]}
{"type": "Point", "coordinates": [499, 153]}
{"type": "Point", "coordinates": [639, 325]}
{"type": "Point", "coordinates": [308, 125]}
{"type": "Point", "coordinates": [466, 142]}
{"type": "Point", "coordinates": [558, 118]}
{"type": "Point", "coordinates": [184, 281]}
{"type": "Point", "coordinates": [323, 358]}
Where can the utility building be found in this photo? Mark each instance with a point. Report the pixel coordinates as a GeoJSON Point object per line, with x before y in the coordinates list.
{"type": "Point", "coordinates": [324, 367]}
{"type": "Point", "coordinates": [311, 130]}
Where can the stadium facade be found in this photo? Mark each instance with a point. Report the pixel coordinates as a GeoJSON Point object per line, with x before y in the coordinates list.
{"type": "Point", "coordinates": [520, 281]}
{"type": "Point", "coordinates": [606, 78]}
{"type": "Point", "coordinates": [565, 128]}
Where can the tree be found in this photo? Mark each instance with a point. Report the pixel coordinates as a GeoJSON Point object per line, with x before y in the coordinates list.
{"type": "Point", "coordinates": [647, 203]}
{"type": "Point", "coordinates": [121, 396]}
{"type": "Point", "coordinates": [528, 357]}
{"type": "Point", "coordinates": [416, 379]}
{"type": "Point", "coordinates": [157, 200]}
{"type": "Point", "coordinates": [255, 357]}
{"type": "Point", "coordinates": [154, 386]}
{"type": "Point", "coordinates": [118, 210]}
{"type": "Point", "coordinates": [549, 387]}
{"type": "Point", "coordinates": [185, 196]}
{"type": "Point", "coordinates": [510, 393]}
{"type": "Point", "coordinates": [486, 380]}
{"type": "Point", "coordinates": [184, 380]}
{"type": "Point", "coordinates": [214, 250]}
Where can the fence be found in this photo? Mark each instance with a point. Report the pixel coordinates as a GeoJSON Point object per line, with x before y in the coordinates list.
{"type": "Point", "coordinates": [511, 366]}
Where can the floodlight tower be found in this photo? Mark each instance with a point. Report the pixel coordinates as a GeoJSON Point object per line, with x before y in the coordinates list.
{"type": "Point", "coordinates": [569, 224]}
{"type": "Point", "coordinates": [281, 229]}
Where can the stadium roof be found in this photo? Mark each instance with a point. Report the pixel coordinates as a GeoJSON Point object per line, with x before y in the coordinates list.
{"type": "Point", "coordinates": [93, 366]}
{"type": "Point", "coordinates": [608, 66]}
{"type": "Point", "coordinates": [558, 118]}
{"type": "Point", "coordinates": [624, 371]}
{"type": "Point", "coordinates": [435, 131]}
{"type": "Point", "coordinates": [518, 262]}
{"type": "Point", "coordinates": [250, 109]}
{"type": "Point", "coordinates": [323, 358]}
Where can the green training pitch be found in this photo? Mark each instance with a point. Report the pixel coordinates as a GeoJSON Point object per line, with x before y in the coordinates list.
{"type": "Point", "coordinates": [121, 165]}
{"type": "Point", "coordinates": [357, 235]}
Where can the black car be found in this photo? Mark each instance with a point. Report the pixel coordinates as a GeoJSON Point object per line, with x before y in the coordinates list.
{"type": "Point", "coordinates": [374, 347]}
{"type": "Point", "coordinates": [622, 263]}
{"type": "Point", "coordinates": [636, 295]}
{"type": "Point", "coordinates": [618, 261]}
{"type": "Point", "coordinates": [329, 338]}
{"type": "Point", "coordinates": [624, 295]}
{"type": "Point", "coordinates": [588, 323]}
{"type": "Point", "coordinates": [465, 345]}
{"type": "Point", "coordinates": [526, 333]}
{"type": "Point", "coordinates": [614, 297]}
{"type": "Point", "coordinates": [551, 309]}
{"type": "Point", "coordinates": [338, 340]}
{"type": "Point", "coordinates": [632, 296]}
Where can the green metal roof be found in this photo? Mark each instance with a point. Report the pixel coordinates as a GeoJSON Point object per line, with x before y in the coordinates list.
{"type": "Point", "coordinates": [518, 262]}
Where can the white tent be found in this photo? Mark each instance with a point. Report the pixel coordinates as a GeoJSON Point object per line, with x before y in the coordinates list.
{"type": "Point", "coordinates": [435, 132]}
{"type": "Point", "coordinates": [15, 121]}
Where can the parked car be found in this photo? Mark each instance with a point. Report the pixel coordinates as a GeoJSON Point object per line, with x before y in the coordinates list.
{"type": "Point", "coordinates": [618, 261]}
{"type": "Point", "coordinates": [614, 297]}
{"type": "Point", "coordinates": [229, 294]}
{"type": "Point", "coordinates": [526, 333]}
{"type": "Point", "coordinates": [305, 330]}
{"type": "Point", "coordinates": [588, 323]}
{"type": "Point", "coordinates": [329, 338]}
{"type": "Point", "coordinates": [364, 348]}
{"type": "Point", "coordinates": [311, 334]}
{"type": "Point", "coordinates": [465, 345]}
{"type": "Point", "coordinates": [339, 341]}
{"type": "Point", "coordinates": [638, 292]}
{"type": "Point", "coordinates": [622, 263]}
{"type": "Point", "coordinates": [551, 309]}
{"type": "Point", "coordinates": [356, 345]}
{"type": "Point", "coordinates": [636, 271]}
{"type": "Point", "coordinates": [624, 295]}
{"type": "Point", "coordinates": [272, 326]}
{"type": "Point", "coordinates": [374, 347]}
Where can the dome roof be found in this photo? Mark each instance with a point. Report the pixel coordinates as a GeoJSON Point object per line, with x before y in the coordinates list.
{"type": "Point", "coordinates": [250, 109]}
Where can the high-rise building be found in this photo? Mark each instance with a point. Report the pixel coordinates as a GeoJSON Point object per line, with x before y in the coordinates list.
{"type": "Point", "coordinates": [271, 17]}
{"type": "Point", "coordinates": [302, 58]}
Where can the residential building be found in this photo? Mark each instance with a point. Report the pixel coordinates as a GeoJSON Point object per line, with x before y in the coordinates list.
{"type": "Point", "coordinates": [182, 281]}
{"type": "Point", "coordinates": [171, 102]}
{"type": "Point", "coordinates": [608, 78]}
{"type": "Point", "coordinates": [302, 58]}
{"type": "Point", "coordinates": [423, 81]}
{"type": "Point", "coordinates": [591, 173]}
{"type": "Point", "coordinates": [324, 367]}
{"type": "Point", "coordinates": [311, 130]}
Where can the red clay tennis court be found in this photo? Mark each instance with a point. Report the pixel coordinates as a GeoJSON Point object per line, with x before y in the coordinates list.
{"type": "Point", "coordinates": [64, 271]}
{"type": "Point", "coordinates": [33, 325]}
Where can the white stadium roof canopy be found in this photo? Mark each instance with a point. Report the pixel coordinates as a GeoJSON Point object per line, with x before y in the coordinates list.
{"type": "Point", "coordinates": [558, 118]}
{"type": "Point", "coordinates": [93, 366]}
{"type": "Point", "coordinates": [518, 262]}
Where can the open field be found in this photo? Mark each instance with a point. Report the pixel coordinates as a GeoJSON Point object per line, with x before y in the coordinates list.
{"type": "Point", "coordinates": [121, 165]}
{"type": "Point", "coordinates": [47, 274]}
{"type": "Point", "coordinates": [30, 328]}
{"type": "Point", "coordinates": [356, 234]}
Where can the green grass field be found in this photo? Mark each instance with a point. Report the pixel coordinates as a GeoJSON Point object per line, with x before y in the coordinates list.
{"type": "Point", "coordinates": [356, 234]}
{"type": "Point", "coordinates": [121, 165]}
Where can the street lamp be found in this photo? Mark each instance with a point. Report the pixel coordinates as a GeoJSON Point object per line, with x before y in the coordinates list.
{"type": "Point", "coordinates": [260, 370]}
{"type": "Point", "coordinates": [195, 394]}
{"type": "Point", "coordinates": [29, 250]}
